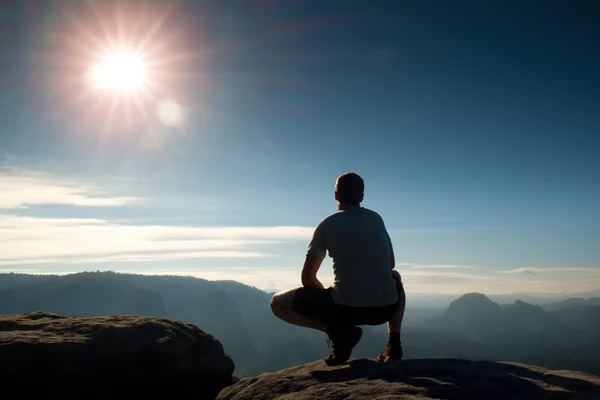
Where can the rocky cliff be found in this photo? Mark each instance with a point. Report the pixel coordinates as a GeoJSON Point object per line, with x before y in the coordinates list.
{"type": "Point", "coordinates": [109, 357]}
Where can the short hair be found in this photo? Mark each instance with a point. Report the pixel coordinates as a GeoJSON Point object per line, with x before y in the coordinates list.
{"type": "Point", "coordinates": [350, 188]}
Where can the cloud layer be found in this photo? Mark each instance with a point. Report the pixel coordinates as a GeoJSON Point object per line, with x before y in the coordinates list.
{"type": "Point", "coordinates": [22, 189]}
{"type": "Point", "coordinates": [551, 271]}
{"type": "Point", "coordinates": [40, 240]}
{"type": "Point", "coordinates": [34, 240]}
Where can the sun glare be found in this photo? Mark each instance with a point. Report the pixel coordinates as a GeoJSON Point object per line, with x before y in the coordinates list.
{"type": "Point", "coordinates": [123, 68]}
{"type": "Point", "coordinates": [122, 71]}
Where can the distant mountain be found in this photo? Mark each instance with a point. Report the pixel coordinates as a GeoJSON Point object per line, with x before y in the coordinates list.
{"type": "Point", "coordinates": [88, 295]}
{"type": "Point", "coordinates": [473, 310]}
{"type": "Point", "coordinates": [477, 317]}
{"type": "Point", "coordinates": [530, 319]}
{"type": "Point", "coordinates": [582, 321]}
{"type": "Point", "coordinates": [573, 302]}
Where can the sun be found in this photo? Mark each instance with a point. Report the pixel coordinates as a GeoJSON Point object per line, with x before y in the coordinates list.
{"type": "Point", "coordinates": [122, 68]}
{"type": "Point", "coordinates": [119, 71]}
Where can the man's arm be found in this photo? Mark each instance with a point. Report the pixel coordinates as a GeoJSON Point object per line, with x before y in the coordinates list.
{"type": "Point", "coordinates": [309, 272]}
{"type": "Point", "coordinates": [315, 254]}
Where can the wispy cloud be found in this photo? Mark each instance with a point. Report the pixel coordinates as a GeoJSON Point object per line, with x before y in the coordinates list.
{"type": "Point", "coordinates": [551, 270]}
{"type": "Point", "coordinates": [50, 240]}
{"type": "Point", "coordinates": [138, 257]}
{"type": "Point", "coordinates": [22, 189]}
{"type": "Point", "coordinates": [426, 274]}
{"type": "Point", "coordinates": [433, 266]}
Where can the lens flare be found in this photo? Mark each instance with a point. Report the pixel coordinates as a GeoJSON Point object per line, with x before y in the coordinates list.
{"type": "Point", "coordinates": [171, 113]}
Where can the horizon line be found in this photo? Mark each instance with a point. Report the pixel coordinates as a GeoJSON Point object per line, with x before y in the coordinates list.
{"type": "Point", "coordinates": [70, 273]}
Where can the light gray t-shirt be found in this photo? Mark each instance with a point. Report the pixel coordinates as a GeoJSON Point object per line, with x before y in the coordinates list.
{"type": "Point", "coordinates": [359, 244]}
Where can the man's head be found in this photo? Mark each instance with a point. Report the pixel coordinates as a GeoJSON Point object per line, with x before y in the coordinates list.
{"type": "Point", "coordinates": [349, 189]}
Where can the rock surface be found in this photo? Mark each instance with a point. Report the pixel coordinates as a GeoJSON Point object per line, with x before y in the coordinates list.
{"type": "Point", "coordinates": [111, 356]}
{"type": "Point", "coordinates": [416, 379]}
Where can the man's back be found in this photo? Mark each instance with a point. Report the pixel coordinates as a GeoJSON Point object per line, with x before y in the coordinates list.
{"type": "Point", "coordinates": [359, 244]}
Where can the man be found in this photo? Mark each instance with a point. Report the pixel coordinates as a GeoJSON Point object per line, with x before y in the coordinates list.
{"type": "Point", "coordinates": [367, 289]}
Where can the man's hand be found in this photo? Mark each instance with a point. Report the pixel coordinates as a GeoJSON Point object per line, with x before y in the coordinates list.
{"type": "Point", "coordinates": [309, 272]}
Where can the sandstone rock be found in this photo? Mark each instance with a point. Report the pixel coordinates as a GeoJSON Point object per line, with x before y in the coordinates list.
{"type": "Point", "coordinates": [416, 379]}
{"type": "Point", "coordinates": [109, 357]}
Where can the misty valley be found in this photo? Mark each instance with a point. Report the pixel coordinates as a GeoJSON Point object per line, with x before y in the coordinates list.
{"type": "Point", "coordinates": [557, 335]}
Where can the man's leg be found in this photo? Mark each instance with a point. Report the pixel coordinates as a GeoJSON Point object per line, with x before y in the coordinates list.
{"type": "Point", "coordinates": [314, 308]}
{"type": "Point", "coordinates": [343, 333]}
{"type": "Point", "coordinates": [393, 349]}
{"type": "Point", "coordinates": [395, 324]}
{"type": "Point", "coordinates": [283, 308]}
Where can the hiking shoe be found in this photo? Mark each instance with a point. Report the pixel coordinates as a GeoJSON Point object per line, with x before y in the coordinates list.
{"type": "Point", "coordinates": [342, 346]}
{"type": "Point", "coordinates": [392, 352]}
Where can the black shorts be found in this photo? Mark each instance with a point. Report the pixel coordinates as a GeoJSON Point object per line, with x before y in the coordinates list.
{"type": "Point", "coordinates": [318, 304]}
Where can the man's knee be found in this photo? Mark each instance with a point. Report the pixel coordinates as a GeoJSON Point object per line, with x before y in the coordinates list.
{"type": "Point", "coordinates": [274, 303]}
{"type": "Point", "coordinates": [399, 284]}
{"type": "Point", "coordinates": [282, 301]}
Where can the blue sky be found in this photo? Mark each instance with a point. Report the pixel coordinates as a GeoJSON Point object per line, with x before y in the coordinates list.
{"type": "Point", "coordinates": [475, 126]}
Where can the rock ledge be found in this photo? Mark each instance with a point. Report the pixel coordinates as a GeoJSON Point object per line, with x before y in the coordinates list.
{"type": "Point", "coordinates": [416, 379]}
{"type": "Point", "coordinates": [104, 357]}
